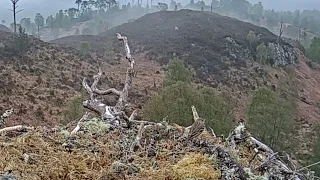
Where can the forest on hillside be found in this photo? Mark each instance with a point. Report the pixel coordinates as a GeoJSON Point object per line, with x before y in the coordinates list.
{"type": "Point", "coordinates": [298, 24]}
{"type": "Point", "coordinates": [101, 15]}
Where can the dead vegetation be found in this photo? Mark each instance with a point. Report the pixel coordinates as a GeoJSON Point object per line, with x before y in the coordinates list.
{"type": "Point", "coordinates": [119, 147]}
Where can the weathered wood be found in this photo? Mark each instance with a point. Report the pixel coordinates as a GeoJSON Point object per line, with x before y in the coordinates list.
{"type": "Point", "coordinates": [15, 128]}
{"type": "Point", "coordinates": [136, 143]}
{"type": "Point", "coordinates": [195, 113]}
{"type": "Point", "coordinates": [78, 127]}
{"type": "Point", "coordinates": [111, 113]}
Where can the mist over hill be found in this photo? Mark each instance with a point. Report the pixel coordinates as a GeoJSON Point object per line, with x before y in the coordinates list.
{"type": "Point", "coordinates": [50, 7]}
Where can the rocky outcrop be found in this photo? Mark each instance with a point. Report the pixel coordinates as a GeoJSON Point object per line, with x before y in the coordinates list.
{"type": "Point", "coordinates": [282, 54]}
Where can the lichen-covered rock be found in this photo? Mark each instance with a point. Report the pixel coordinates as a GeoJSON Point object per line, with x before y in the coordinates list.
{"type": "Point", "coordinates": [281, 54]}
{"type": "Point", "coordinates": [8, 176]}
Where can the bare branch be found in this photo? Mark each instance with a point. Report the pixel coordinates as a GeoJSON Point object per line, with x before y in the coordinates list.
{"type": "Point", "coordinates": [195, 113]}
{"type": "Point", "coordinates": [102, 92]}
{"type": "Point", "coordinates": [136, 142]}
{"type": "Point", "coordinates": [127, 49]}
{"type": "Point", "coordinates": [280, 32]}
{"type": "Point", "coordinates": [261, 145]}
{"type": "Point", "coordinates": [78, 127]}
{"type": "Point", "coordinates": [15, 128]}
{"type": "Point", "coordinates": [110, 113]}
{"type": "Point", "coordinates": [314, 164]}
{"type": "Point", "coordinates": [212, 132]}
{"type": "Point", "coordinates": [87, 87]}
{"type": "Point", "coordinates": [133, 115]}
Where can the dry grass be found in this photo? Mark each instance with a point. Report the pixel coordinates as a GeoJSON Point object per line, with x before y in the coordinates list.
{"type": "Point", "coordinates": [40, 154]}
{"type": "Point", "coordinates": [48, 154]}
{"type": "Point", "coordinates": [195, 166]}
{"type": "Point", "coordinates": [49, 160]}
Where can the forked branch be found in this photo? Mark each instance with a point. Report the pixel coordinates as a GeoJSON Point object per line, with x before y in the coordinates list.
{"type": "Point", "coordinates": [111, 113]}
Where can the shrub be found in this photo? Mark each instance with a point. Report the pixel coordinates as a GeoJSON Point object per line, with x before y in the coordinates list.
{"type": "Point", "coordinates": [251, 37]}
{"type": "Point", "coordinates": [22, 41]}
{"type": "Point", "coordinates": [313, 52]}
{"type": "Point", "coordinates": [175, 101]}
{"type": "Point", "coordinates": [74, 109]}
{"type": "Point", "coordinates": [177, 72]}
{"type": "Point", "coordinates": [178, 95]}
{"type": "Point", "coordinates": [263, 52]}
{"type": "Point", "coordinates": [316, 157]}
{"type": "Point", "coordinates": [271, 119]}
{"type": "Point", "coordinates": [84, 48]}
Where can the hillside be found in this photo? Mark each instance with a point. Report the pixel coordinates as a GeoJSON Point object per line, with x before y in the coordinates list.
{"type": "Point", "coordinates": [41, 84]}
{"type": "Point", "coordinates": [185, 34]}
{"type": "Point", "coordinates": [215, 46]}
{"type": "Point", "coordinates": [4, 28]}
{"type": "Point", "coordinates": [117, 146]}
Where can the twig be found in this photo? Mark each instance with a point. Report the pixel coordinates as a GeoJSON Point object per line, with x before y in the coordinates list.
{"type": "Point", "coordinates": [266, 161]}
{"type": "Point", "coordinates": [136, 142]}
{"type": "Point", "coordinates": [77, 128]}
{"type": "Point", "coordinates": [212, 132]}
{"type": "Point", "coordinates": [314, 164]}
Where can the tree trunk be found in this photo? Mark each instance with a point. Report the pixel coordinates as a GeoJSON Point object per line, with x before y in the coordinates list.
{"type": "Point", "coordinates": [14, 18]}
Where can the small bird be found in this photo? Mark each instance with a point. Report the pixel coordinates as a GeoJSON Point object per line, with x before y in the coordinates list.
{"type": "Point", "coordinates": [196, 128]}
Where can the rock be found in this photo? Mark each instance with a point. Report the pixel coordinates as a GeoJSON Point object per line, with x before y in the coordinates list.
{"type": "Point", "coordinates": [8, 176]}
{"type": "Point", "coordinates": [281, 54]}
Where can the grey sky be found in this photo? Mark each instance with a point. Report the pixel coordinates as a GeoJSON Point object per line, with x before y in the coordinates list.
{"type": "Point", "coordinates": [48, 7]}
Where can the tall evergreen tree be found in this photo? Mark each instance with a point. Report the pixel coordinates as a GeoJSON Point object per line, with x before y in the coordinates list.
{"type": "Point", "coordinates": [39, 21]}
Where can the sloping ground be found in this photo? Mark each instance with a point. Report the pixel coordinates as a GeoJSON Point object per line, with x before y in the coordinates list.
{"type": "Point", "coordinates": [4, 28]}
{"type": "Point", "coordinates": [210, 43]}
{"type": "Point", "coordinates": [215, 46]}
{"type": "Point", "coordinates": [39, 85]}
{"type": "Point", "coordinates": [308, 78]}
{"type": "Point", "coordinates": [46, 35]}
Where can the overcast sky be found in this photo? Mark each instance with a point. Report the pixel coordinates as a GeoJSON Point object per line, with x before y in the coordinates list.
{"type": "Point", "coordinates": [48, 7]}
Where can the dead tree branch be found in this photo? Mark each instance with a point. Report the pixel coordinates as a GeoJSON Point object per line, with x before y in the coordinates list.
{"type": "Point", "coordinates": [15, 128]}
{"type": "Point", "coordinates": [280, 32]}
{"type": "Point", "coordinates": [270, 163]}
{"type": "Point", "coordinates": [195, 113]}
{"type": "Point", "coordinates": [136, 143]}
{"type": "Point", "coordinates": [111, 113]}
{"type": "Point", "coordinates": [78, 127]}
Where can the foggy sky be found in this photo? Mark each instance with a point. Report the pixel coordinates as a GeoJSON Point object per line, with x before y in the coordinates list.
{"type": "Point", "coordinates": [50, 7]}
